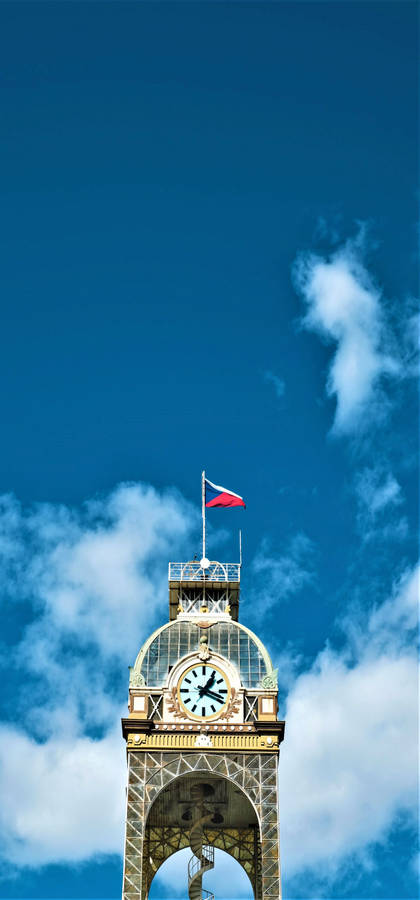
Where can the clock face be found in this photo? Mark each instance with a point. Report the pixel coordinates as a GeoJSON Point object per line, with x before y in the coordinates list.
{"type": "Point", "coordinates": [203, 691]}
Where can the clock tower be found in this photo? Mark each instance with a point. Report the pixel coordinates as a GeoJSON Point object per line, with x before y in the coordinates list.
{"type": "Point", "coordinates": [202, 739]}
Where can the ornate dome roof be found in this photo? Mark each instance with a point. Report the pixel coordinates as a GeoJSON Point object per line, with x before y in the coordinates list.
{"type": "Point", "coordinates": [168, 644]}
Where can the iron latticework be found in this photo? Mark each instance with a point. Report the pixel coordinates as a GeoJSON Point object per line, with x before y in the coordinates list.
{"type": "Point", "coordinates": [148, 845]}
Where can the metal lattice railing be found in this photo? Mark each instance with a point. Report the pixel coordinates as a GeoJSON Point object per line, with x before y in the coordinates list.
{"type": "Point", "coordinates": [215, 571]}
{"type": "Point", "coordinates": [206, 861]}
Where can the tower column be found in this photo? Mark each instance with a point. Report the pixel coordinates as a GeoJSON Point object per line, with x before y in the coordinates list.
{"type": "Point", "coordinates": [154, 799]}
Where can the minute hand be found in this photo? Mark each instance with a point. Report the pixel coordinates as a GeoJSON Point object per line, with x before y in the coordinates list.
{"type": "Point", "coordinates": [212, 695]}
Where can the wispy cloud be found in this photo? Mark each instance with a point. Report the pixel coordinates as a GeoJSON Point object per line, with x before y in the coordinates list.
{"type": "Point", "coordinates": [279, 577]}
{"type": "Point", "coordinates": [278, 383]}
{"type": "Point", "coordinates": [346, 308]}
{"type": "Point", "coordinates": [379, 498]}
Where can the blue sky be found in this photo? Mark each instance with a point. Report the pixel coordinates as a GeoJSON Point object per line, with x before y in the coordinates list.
{"type": "Point", "coordinates": [209, 231]}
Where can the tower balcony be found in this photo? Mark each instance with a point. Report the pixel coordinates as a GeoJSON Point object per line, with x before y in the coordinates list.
{"type": "Point", "coordinates": [198, 588]}
{"type": "Point", "coordinates": [209, 572]}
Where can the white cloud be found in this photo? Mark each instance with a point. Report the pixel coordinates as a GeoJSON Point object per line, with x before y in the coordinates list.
{"type": "Point", "coordinates": [346, 308]}
{"type": "Point", "coordinates": [62, 800]}
{"type": "Point", "coordinates": [96, 580]}
{"type": "Point", "coordinates": [93, 573]}
{"type": "Point", "coordinates": [349, 762]}
{"type": "Point", "coordinates": [390, 626]}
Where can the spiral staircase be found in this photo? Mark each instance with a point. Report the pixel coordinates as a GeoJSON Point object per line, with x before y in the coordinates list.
{"type": "Point", "coordinates": [203, 859]}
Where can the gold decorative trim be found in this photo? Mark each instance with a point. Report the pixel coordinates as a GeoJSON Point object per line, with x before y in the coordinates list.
{"type": "Point", "coordinates": [173, 705]}
{"type": "Point", "coordinates": [248, 742]}
{"type": "Point", "coordinates": [233, 706]}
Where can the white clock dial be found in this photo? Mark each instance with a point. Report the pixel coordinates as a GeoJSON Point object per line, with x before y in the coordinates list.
{"type": "Point", "coordinates": [203, 691]}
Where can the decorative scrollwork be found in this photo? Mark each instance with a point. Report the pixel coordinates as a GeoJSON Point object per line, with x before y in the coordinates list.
{"type": "Point", "coordinates": [233, 705]}
{"type": "Point", "coordinates": [269, 682]}
{"type": "Point", "coordinates": [173, 705]}
{"type": "Point", "coordinates": [136, 678]}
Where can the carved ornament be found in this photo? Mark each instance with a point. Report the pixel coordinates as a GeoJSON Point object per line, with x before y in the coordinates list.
{"type": "Point", "coordinates": [136, 678]}
{"type": "Point", "coordinates": [269, 682]}
{"type": "Point", "coordinates": [233, 705]}
{"type": "Point", "coordinates": [204, 652]}
{"type": "Point", "coordinates": [174, 707]}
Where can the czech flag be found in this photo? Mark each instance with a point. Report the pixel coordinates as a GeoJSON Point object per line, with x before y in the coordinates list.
{"type": "Point", "coordinates": [219, 496]}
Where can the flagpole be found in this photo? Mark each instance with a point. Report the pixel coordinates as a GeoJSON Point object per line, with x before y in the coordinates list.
{"type": "Point", "coordinates": [203, 509]}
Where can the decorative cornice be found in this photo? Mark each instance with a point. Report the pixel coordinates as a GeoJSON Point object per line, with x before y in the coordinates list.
{"type": "Point", "coordinates": [191, 741]}
{"type": "Point", "coordinates": [139, 725]}
{"type": "Point", "coordinates": [276, 727]}
{"type": "Point", "coordinates": [133, 725]}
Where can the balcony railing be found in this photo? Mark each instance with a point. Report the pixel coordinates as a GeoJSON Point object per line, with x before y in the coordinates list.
{"type": "Point", "coordinates": [194, 571]}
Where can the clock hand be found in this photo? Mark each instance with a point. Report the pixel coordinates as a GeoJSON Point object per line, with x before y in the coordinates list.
{"type": "Point", "coordinates": [213, 696]}
{"type": "Point", "coordinates": [208, 683]}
